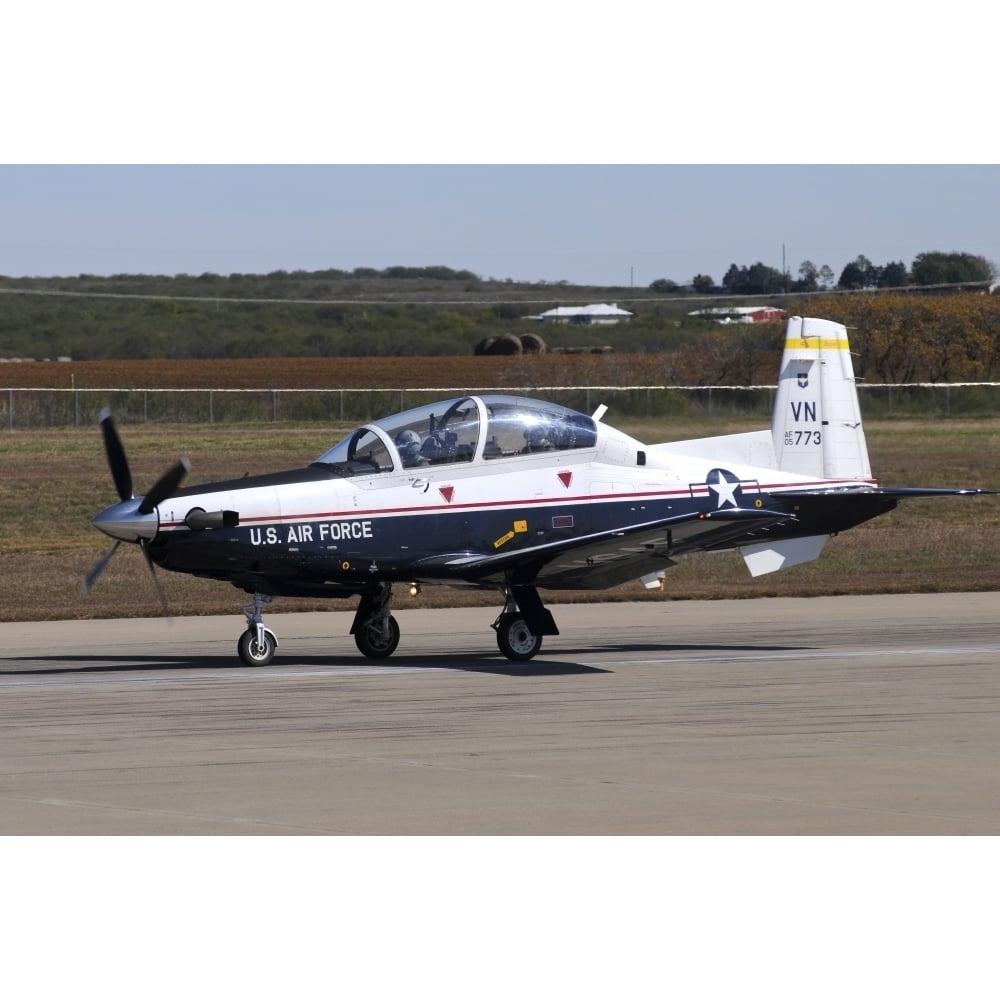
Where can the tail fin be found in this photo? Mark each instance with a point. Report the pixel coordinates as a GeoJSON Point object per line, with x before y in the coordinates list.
{"type": "Point", "coordinates": [816, 427]}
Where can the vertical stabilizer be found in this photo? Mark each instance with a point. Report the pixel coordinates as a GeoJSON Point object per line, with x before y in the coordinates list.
{"type": "Point", "coordinates": [816, 427]}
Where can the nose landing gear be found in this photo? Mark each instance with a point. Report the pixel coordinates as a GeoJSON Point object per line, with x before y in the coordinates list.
{"type": "Point", "coordinates": [257, 645]}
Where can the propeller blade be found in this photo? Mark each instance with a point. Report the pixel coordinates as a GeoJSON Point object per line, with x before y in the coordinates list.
{"type": "Point", "coordinates": [164, 486]}
{"type": "Point", "coordinates": [120, 471]}
{"type": "Point", "coordinates": [156, 579]}
{"type": "Point", "coordinates": [98, 568]}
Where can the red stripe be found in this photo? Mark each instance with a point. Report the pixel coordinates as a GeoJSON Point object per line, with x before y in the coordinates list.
{"type": "Point", "coordinates": [354, 513]}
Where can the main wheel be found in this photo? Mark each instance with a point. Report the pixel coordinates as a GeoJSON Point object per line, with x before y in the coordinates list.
{"type": "Point", "coordinates": [256, 654]}
{"type": "Point", "coordinates": [376, 641]}
{"type": "Point", "coordinates": [516, 642]}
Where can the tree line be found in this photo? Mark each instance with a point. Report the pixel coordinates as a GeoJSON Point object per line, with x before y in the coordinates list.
{"type": "Point", "coordinates": [926, 269]}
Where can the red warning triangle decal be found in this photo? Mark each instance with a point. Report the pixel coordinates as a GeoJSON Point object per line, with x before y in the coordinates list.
{"type": "Point", "coordinates": [565, 478]}
{"type": "Point", "coordinates": [447, 492]}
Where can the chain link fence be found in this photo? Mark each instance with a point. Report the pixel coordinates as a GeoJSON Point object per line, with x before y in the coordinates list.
{"type": "Point", "coordinates": [35, 408]}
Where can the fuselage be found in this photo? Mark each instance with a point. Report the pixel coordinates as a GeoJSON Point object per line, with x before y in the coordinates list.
{"type": "Point", "coordinates": [362, 513]}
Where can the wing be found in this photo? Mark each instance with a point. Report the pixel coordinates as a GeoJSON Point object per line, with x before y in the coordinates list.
{"type": "Point", "coordinates": [604, 559]}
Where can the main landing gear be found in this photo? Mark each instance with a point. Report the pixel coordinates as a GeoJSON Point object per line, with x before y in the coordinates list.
{"type": "Point", "coordinates": [375, 631]}
{"type": "Point", "coordinates": [522, 623]}
{"type": "Point", "coordinates": [519, 627]}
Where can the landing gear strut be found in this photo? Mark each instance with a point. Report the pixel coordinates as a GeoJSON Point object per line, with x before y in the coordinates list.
{"type": "Point", "coordinates": [375, 631]}
{"type": "Point", "coordinates": [522, 623]}
{"type": "Point", "coordinates": [258, 643]}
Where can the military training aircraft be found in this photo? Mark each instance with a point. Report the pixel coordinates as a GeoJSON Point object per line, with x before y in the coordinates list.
{"type": "Point", "coordinates": [516, 494]}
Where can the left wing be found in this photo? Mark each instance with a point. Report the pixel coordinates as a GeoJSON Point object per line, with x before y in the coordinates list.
{"type": "Point", "coordinates": [607, 558]}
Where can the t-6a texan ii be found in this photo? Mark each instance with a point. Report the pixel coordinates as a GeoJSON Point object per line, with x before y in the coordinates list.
{"type": "Point", "coordinates": [519, 495]}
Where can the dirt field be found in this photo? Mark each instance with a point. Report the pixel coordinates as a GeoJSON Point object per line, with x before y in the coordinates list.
{"type": "Point", "coordinates": [331, 373]}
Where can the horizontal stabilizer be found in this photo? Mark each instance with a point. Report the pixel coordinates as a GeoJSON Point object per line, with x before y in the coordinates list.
{"type": "Point", "coordinates": [891, 492]}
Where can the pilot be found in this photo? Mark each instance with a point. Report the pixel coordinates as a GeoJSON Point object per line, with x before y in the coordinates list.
{"type": "Point", "coordinates": [408, 444]}
{"type": "Point", "coordinates": [536, 438]}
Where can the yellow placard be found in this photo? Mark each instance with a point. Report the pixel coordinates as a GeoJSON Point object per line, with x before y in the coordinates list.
{"type": "Point", "coordinates": [503, 539]}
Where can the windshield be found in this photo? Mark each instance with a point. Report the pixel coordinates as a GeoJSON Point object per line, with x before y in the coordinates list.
{"type": "Point", "coordinates": [428, 435]}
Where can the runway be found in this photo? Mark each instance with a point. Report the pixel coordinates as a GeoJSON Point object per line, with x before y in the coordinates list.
{"type": "Point", "coordinates": [847, 715]}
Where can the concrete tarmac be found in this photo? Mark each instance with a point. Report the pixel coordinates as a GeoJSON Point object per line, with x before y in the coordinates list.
{"type": "Point", "coordinates": [846, 715]}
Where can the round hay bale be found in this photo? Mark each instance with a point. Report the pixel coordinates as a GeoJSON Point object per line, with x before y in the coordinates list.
{"type": "Point", "coordinates": [531, 343]}
{"type": "Point", "coordinates": [508, 343]}
{"type": "Point", "coordinates": [484, 346]}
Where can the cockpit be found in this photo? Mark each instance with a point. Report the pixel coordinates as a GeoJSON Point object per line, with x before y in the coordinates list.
{"type": "Point", "coordinates": [467, 429]}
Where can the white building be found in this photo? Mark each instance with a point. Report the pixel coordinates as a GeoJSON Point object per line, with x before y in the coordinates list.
{"type": "Point", "coordinates": [597, 314]}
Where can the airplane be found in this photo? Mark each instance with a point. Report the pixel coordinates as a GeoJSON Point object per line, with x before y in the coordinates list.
{"type": "Point", "coordinates": [519, 495]}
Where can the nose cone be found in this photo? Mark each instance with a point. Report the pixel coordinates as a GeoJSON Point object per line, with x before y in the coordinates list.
{"type": "Point", "coordinates": [124, 522]}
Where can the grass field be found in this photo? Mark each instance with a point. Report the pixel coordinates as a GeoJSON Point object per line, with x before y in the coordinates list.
{"type": "Point", "coordinates": [55, 480]}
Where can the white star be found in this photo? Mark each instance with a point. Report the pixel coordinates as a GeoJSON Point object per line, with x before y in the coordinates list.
{"type": "Point", "coordinates": [725, 489]}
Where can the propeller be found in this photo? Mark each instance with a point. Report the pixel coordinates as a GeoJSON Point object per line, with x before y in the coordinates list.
{"type": "Point", "coordinates": [128, 521]}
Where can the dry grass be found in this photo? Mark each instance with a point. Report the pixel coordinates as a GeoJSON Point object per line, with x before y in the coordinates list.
{"type": "Point", "coordinates": [55, 480]}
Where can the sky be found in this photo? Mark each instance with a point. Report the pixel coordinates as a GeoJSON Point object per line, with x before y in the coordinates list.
{"type": "Point", "coordinates": [607, 147]}
{"type": "Point", "coordinates": [584, 224]}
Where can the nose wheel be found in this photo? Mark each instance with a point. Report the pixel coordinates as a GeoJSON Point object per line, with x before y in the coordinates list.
{"type": "Point", "coordinates": [257, 644]}
{"type": "Point", "coordinates": [257, 651]}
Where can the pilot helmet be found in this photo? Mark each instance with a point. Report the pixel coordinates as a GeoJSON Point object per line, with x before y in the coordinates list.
{"type": "Point", "coordinates": [408, 443]}
{"type": "Point", "coordinates": [536, 435]}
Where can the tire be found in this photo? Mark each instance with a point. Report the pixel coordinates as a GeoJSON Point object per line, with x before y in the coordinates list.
{"type": "Point", "coordinates": [376, 643]}
{"type": "Point", "coordinates": [514, 639]}
{"type": "Point", "coordinates": [254, 655]}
